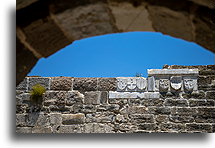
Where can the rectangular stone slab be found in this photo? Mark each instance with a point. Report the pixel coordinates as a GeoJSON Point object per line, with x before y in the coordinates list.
{"type": "Point", "coordinates": [115, 94]}
{"type": "Point", "coordinates": [190, 72]}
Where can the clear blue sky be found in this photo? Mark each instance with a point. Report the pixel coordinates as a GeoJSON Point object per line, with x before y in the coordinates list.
{"type": "Point", "coordinates": [122, 54]}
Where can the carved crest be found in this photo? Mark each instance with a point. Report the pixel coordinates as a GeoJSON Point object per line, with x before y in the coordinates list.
{"type": "Point", "coordinates": [121, 83]}
{"type": "Point", "coordinates": [189, 84]}
{"type": "Point", "coordinates": [176, 82]}
{"type": "Point", "coordinates": [141, 83]}
{"type": "Point", "coordinates": [132, 83]}
{"type": "Point", "coordinates": [164, 85]}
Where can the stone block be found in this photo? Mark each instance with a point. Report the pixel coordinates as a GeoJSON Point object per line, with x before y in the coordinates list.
{"type": "Point", "coordinates": [148, 127]}
{"type": "Point", "coordinates": [190, 72]}
{"type": "Point", "coordinates": [68, 119]}
{"type": "Point", "coordinates": [197, 127]}
{"type": "Point", "coordinates": [107, 84]}
{"type": "Point", "coordinates": [92, 97]}
{"type": "Point", "coordinates": [55, 119]}
{"type": "Point", "coordinates": [201, 102]}
{"type": "Point", "coordinates": [152, 102]}
{"type": "Point", "coordinates": [23, 85]}
{"type": "Point", "coordinates": [171, 127]}
{"type": "Point", "coordinates": [159, 110]}
{"type": "Point", "coordinates": [74, 97]}
{"type": "Point", "coordinates": [104, 97]}
{"type": "Point", "coordinates": [137, 110]}
{"type": "Point", "coordinates": [184, 111]}
{"type": "Point", "coordinates": [128, 95]}
{"type": "Point", "coordinates": [181, 119]}
{"type": "Point", "coordinates": [70, 129]}
{"type": "Point", "coordinates": [162, 118]}
{"type": "Point", "coordinates": [100, 117]}
{"type": "Point", "coordinates": [210, 94]}
{"type": "Point", "coordinates": [39, 80]}
{"type": "Point", "coordinates": [20, 120]}
{"type": "Point", "coordinates": [41, 130]}
{"type": "Point", "coordinates": [98, 128]}
{"type": "Point", "coordinates": [38, 119]}
{"type": "Point", "coordinates": [23, 130]}
{"type": "Point", "coordinates": [205, 118]}
{"type": "Point", "coordinates": [88, 109]}
{"type": "Point", "coordinates": [176, 102]}
{"type": "Point", "coordinates": [61, 83]}
{"type": "Point", "coordinates": [209, 111]}
{"type": "Point", "coordinates": [151, 83]}
{"type": "Point", "coordinates": [110, 108]}
{"type": "Point", "coordinates": [85, 84]}
{"type": "Point", "coordinates": [141, 118]}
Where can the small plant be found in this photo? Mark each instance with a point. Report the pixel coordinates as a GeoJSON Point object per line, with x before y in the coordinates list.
{"type": "Point", "coordinates": [138, 75]}
{"type": "Point", "coordinates": [37, 93]}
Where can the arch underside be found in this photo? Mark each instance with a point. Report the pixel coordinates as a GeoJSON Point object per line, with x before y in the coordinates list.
{"type": "Point", "coordinates": [44, 27]}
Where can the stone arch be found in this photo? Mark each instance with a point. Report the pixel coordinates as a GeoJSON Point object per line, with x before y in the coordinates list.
{"type": "Point", "coordinates": [44, 27]}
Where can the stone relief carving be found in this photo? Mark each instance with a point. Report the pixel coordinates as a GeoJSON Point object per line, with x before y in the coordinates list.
{"type": "Point", "coordinates": [131, 84]}
{"type": "Point", "coordinates": [163, 85]}
{"type": "Point", "coordinates": [176, 82]}
{"type": "Point", "coordinates": [189, 84]}
{"type": "Point", "coordinates": [121, 83]}
{"type": "Point", "coordinates": [141, 83]}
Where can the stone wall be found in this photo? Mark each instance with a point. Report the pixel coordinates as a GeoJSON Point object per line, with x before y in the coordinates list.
{"type": "Point", "coordinates": [178, 99]}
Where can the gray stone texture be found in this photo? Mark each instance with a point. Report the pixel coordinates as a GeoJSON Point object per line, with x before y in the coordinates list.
{"type": "Point", "coordinates": [85, 84]}
{"type": "Point", "coordinates": [97, 108]}
{"type": "Point", "coordinates": [61, 83]}
{"type": "Point", "coordinates": [39, 80]}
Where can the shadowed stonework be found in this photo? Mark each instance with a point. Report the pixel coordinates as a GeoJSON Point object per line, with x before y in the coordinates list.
{"type": "Point", "coordinates": [176, 99]}
{"type": "Point", "coordinates": [45, 26]}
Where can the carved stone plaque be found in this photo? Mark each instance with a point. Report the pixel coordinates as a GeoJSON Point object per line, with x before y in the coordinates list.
{"type": "Point", "coordinates": [131, 83]}
{"type": "Point", "coordinates": [189, 84]}
{"type": "Point", "coordinates": [141, 83]}
{"type": "Point", "coordinates": [121, 83]}
{"type": "Point", "coordinates": [176, 82]}
{"type": "Point", "coordinates": [163, 85]}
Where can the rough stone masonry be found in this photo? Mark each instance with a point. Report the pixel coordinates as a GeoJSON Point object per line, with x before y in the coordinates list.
{"type": "Point", "coordinates": [176, 99]}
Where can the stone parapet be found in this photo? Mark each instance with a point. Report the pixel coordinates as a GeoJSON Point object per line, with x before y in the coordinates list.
{"type": "Point", "coordinates": [179, 100]}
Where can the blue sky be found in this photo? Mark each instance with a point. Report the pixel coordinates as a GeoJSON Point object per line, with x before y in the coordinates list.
{"type": "Point", "coordinates": [122, 54]}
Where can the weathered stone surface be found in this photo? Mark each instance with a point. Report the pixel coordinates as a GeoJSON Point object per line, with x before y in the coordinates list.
{"type": "Point", "coordinates": [176, 82]}
{"type": "Point", "coordinates": [148, 127]}
{"type": "Point", "coordinates": [92, 97]}
{"type": "Point", "coordinates": [22, 85]}
{"type": "Point", "coordinates": [42, 130]}
{"type": "Point", "coordinates": [161, 118]}
{"type": "Point", "coordinates": [70, 129]}
{"type": "Point", "coordinates": [152, 102]}
{"type": "Point", "coordinates": [85, 84]}
{"type": "Point", "coordinates": [176, 102]}
{"type": "Point", "coordinates": [210, 94]}
{"type": "Point", "coordinates": [148, 95]}
{"type": "Point", "coordinates": [137, 110]}
{"type": "Point", "coordinates": [170, 127]}
{"type": "Point", "coordinates": [111, 108]}
{"type": "Point", "coordinates": [104, 97]}
{"type": "Point", "coordinates": [55, 121]}
{"type": "Point", "coordinates": [190, 72]}
{"type": "Point", "coordinates": [20, 120]}
{"type": "Point", "coordinates": [151, 83]}
{"type": "Point", "coordinates": [61, 83]}
{"type": "Point", "coordinates": [183, 111]}
{"type": "Point", "coordinates": [23, 130]}
{"type": "Point", "coordinates": [190, 84]}
{"type": "Point", "coordinates": [159, 110]}
{"type": "Point", "coordinates": [141, 118]}
{"type": "Point", "coordinates": [107, 84]}
{"type": "Point", "coordinates": [74, 97]}
{"type": "Point", "coordinates": [98, 128]}
{"type": "Point", "coordinates": [37, 80]}
{"type": "Point", "coordinates": [100, 117]}
{"type": "Point", "coordinates": [68, 119]}
{"type": "Point", "coordinates": [181, 119]}
{"type": "Point", "coordinates": [201, 102]}
{"type": "Point", "coordinates": [164, 85]}
{"type": "Point", "coordinates": [193, 127]}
